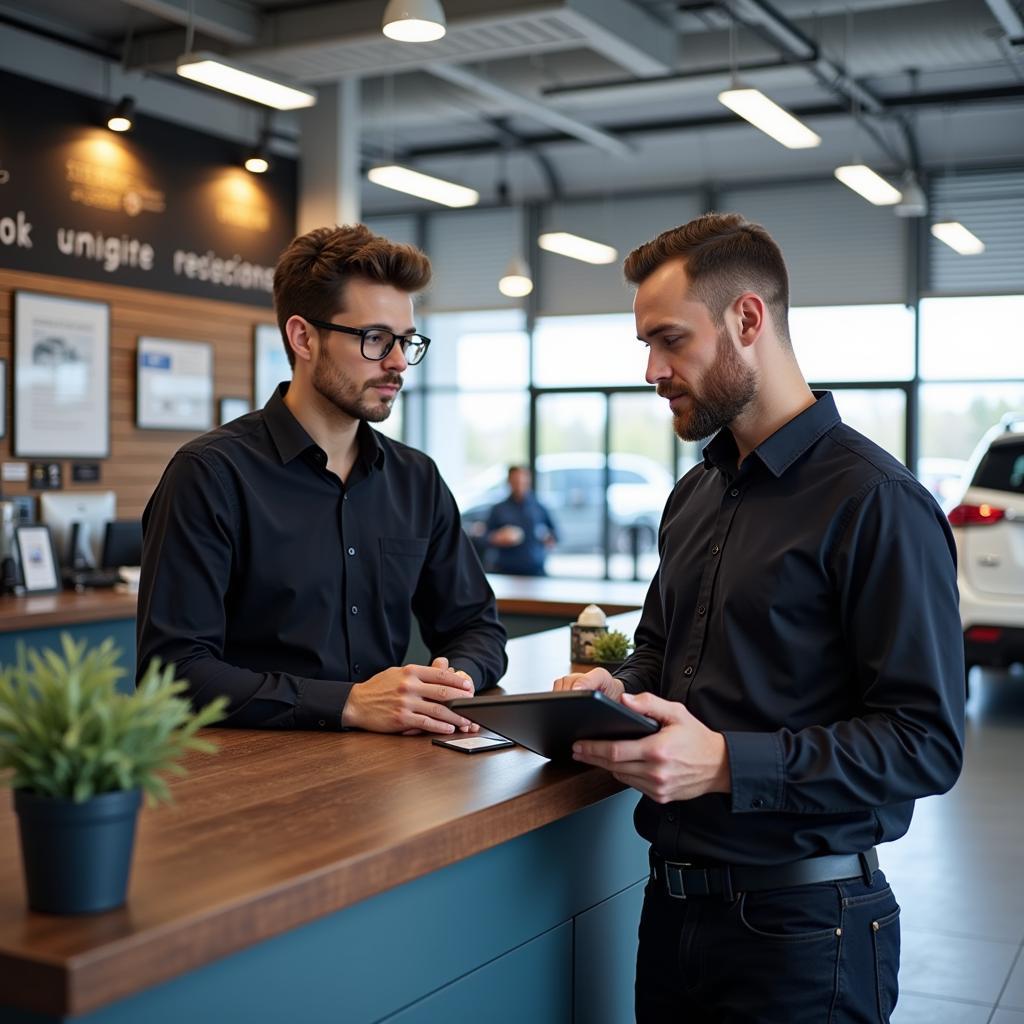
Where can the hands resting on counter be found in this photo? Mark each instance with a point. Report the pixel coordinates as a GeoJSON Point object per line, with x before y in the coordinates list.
{"type": "Point", "coordinates": [409, 699]}
{"type": "Point", "coordinates": [683, 760]}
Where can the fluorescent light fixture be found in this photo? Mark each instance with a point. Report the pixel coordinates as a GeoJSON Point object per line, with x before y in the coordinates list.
{"type": "Point", "coordinates": [516, 281]}
{"type": "Point", "coordinates": [121, 117]}
{"type": "Point", "coordinates": [577, 248]}
{"type": "Point", "coordinates": [957, 237]}
{"type": "Point", "coordinates": [414, 21]}
{"type": "Point", "coordinates": [216, 71]}
{"type": "Point", "coordinates": [865, 182]}
{"type": "Point", "coordinates": [423, 186]}
{"type": "Point", "coordinates": [753, 106]}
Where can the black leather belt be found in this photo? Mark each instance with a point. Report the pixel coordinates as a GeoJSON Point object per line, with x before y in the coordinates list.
{"type": "Point", "coordinates": [683, 880]}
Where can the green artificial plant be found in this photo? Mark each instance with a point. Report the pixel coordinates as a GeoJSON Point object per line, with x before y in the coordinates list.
{"type": "Point", "coordinates": [613, 646]}
{"type": "Point", "coordinates": [66, 731]}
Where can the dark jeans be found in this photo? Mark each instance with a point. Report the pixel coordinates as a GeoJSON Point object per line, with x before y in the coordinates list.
{"type": "Point", "coordinates": [825, 953]}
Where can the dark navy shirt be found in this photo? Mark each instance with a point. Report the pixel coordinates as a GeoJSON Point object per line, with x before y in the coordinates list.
{"type": "Point", "coordinates": [267, 579]}
{"type": "Point", "coordinates": [526, 559]}
{"type": "Point", "coordinates": [805, 606]}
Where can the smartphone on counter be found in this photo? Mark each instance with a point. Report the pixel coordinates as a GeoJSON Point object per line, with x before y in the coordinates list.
{"type": "Point", "coordinates": [473, 744]}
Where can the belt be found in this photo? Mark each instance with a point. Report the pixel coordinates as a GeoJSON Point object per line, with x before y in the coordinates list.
{"type": "Point", "coordinates": [683, 880]}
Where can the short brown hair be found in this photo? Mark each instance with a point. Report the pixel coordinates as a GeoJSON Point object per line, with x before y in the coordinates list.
{"type": "Point", "coordinates": [312, 272]}
{"type": "Point", "coordinates": [725, 256]}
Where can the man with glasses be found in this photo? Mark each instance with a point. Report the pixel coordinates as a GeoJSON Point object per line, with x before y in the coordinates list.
{"type": "Point", "coordinates": [286, 553]}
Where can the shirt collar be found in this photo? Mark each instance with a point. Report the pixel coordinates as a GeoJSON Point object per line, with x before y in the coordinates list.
{"type": "Point", "coordinates": [291, 440]}
{"type": "Point", "coordinates": [785, 446]}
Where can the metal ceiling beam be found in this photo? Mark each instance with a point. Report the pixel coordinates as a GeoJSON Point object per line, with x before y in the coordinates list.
{"type": "Point", "coordinates": [1009, 19]}
{"type": "Point", "coordinates": [518, 103]}
{"type": "Point", "coordinates": [627, 35]}
{"type": "Point", "coordinates": [232, 21]}
{"type": "Point", "coordinates": [893, 104]}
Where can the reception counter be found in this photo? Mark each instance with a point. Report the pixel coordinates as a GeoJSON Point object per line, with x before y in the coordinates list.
{"type": "Point", "coordinates": [352, 877]}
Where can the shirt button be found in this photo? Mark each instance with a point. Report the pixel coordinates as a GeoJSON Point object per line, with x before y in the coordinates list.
{"type": "Point", "coordinates": [688, 671]}
{"type": "Point", "coordinates": [715, 549]}
{"type": "Point", "coordinates": [701, 609]}
{"type": "Point", "coordinates": [322, 723]}
{"type": "Point", "coordinates": [355, 667]}
{"type": "Point", "coordinates": [670, 817]}
{"type": "Point", "coordinates": [351, 551]}
{"type": "Point", "coordinates": [757, 802]}
{"type": "Point", "coordinates": [355, 609]}
{"type": "Point", "coordinates": [735, 492]}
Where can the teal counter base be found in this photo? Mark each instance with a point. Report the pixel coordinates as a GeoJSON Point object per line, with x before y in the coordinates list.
{"type": "Point", "coordinates": [539, 930]}
{"type": "Point", "coordinates": [121, 631]}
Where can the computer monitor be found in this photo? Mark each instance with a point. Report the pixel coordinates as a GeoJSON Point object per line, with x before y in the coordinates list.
{"type": "Point", "coordinates": [122, 544]}
{"type": "Point", "coordinates": [78, 522]}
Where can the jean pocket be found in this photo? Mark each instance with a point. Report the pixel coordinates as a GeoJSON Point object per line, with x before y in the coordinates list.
{"type": "Point", "coordinates": [803, 914]}
{"type": "Point", "coordinates": [885, 934]}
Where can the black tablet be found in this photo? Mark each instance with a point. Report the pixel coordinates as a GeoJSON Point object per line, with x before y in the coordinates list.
{"type": "Point", "coordinates": [549, 723]}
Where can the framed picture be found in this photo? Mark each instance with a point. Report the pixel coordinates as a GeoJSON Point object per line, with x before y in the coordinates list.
{"type": "Point", "coordinates": [3, 398]}
{"type": "Point", "coordinates": [232, 408]}
{"type": "Point", "coordinates": [61, 377]}
{"type": "Point", "coordinates": [174, 385]}
{"type": "Point", "coordinates": [38, 563]}
{"type": "Point", "coordinates": [270, 364]}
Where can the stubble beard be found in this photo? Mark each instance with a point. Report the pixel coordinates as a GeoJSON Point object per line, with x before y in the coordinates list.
{"type": "Point", "coordinates": [355, 401]}
{"type": "Point", "coordinates": [726, 389]}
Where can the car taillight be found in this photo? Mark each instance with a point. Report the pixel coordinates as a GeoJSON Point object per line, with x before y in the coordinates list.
{"type": "Point", "coordinates": [975, 515]}
{"type": "Point", "coordinates": [984, 634]}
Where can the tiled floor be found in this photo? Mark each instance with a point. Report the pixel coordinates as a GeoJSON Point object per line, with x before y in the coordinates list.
{"type": "Point", "coordinates": [959, 876]}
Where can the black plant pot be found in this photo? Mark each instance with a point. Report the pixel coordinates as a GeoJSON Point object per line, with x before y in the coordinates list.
{"type": "Point", "coordinates": [77, 855]}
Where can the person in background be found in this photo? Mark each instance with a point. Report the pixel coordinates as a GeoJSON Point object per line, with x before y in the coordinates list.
{"type": "Point", "coordinates": [800, 646]}
{"type": "Point", "coordinates": [286, 552]}
{"type": "Point", "coordinates": [519, 530]}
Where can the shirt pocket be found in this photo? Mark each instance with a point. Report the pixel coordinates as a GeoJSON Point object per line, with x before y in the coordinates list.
{"type": "Point", "coordinates": [401, 564]}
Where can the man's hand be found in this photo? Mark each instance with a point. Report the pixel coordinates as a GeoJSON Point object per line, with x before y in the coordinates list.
{"type": "Point", "coordinates": [506, 537]}
{"type": "Point", "coordinates": [596, 679]}
{"type": "Point", "coordinates": [407, 699]}
{"type": "Point", "coordinates": [685, 759]}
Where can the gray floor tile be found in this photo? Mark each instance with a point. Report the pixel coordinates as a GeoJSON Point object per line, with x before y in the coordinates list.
{"type": "Point", "coordinates": [1013, 997]}
{"type": "Point", "coordinates": [948, 966]}
{"type": "Point", "coordinates": [916, 1009]}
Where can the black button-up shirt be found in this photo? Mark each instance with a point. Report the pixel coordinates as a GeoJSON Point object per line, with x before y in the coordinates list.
{"type": "Point", "coordinates": [806, 607]}
{"type": "Point", "coordinates": [266, 579]}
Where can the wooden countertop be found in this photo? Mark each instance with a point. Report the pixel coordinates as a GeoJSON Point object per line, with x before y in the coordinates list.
{"type": "Point", "coordinates": [517, 595]}
{"type": "Point", "coordinates": [328, 819]}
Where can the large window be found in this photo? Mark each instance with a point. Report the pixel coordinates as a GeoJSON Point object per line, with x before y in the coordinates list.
{"type": "Point", "coordinates": [972, 370]}
{"type": "Point", "coordinates": [605, 454]}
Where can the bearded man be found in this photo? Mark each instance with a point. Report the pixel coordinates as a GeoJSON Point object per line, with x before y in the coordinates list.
{"type": "Point", "coordinates": [800, 645]}
{"type": "Point", "coordinates": [285, 553]}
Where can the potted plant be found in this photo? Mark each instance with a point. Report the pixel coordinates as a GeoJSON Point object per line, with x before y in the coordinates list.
{"type": "Point", "coordinates": [79, 754]}
{"type": "Point", "coordinates": [611, 649]}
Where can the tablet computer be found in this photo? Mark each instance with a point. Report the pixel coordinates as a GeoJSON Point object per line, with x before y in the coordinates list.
{"type": "Point", "coordinates": [549, 723]}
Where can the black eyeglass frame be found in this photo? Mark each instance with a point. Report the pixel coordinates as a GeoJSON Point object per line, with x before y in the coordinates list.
{"type": "Point", "coordinates": [361, 333]}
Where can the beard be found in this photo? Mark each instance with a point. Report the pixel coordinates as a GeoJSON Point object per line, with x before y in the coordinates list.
{"type": "Point", "coordinates": [359, 402]}
{"type": "Point", "coordinates": [726, 389]}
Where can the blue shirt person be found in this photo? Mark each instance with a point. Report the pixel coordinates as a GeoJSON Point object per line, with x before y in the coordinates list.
{"type": "Point", "coordinates": [519, 529]}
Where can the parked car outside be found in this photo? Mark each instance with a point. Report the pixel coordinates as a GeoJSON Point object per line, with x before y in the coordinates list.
{"type": "Point", "coordinates": [988, 523]}
{"type": "Point", "coordinates": [571, 486]}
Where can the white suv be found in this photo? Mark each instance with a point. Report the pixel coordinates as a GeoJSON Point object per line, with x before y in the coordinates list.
{"type": "Point", "coordinates": [988, 524]}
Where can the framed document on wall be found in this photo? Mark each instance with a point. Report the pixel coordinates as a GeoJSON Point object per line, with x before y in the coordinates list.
{"type": "Point", "coordinates": [3, 398]}
{"type": "Point", "coordinates": [61, 377]}
{"type": "Point", "coordinates": [270, 363]}
{"type": "Point", "coordinates": [174, 385]}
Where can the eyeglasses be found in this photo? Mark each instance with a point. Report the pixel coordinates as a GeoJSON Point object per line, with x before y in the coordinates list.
{"type": "Point", "coordinates": [375, 342]}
